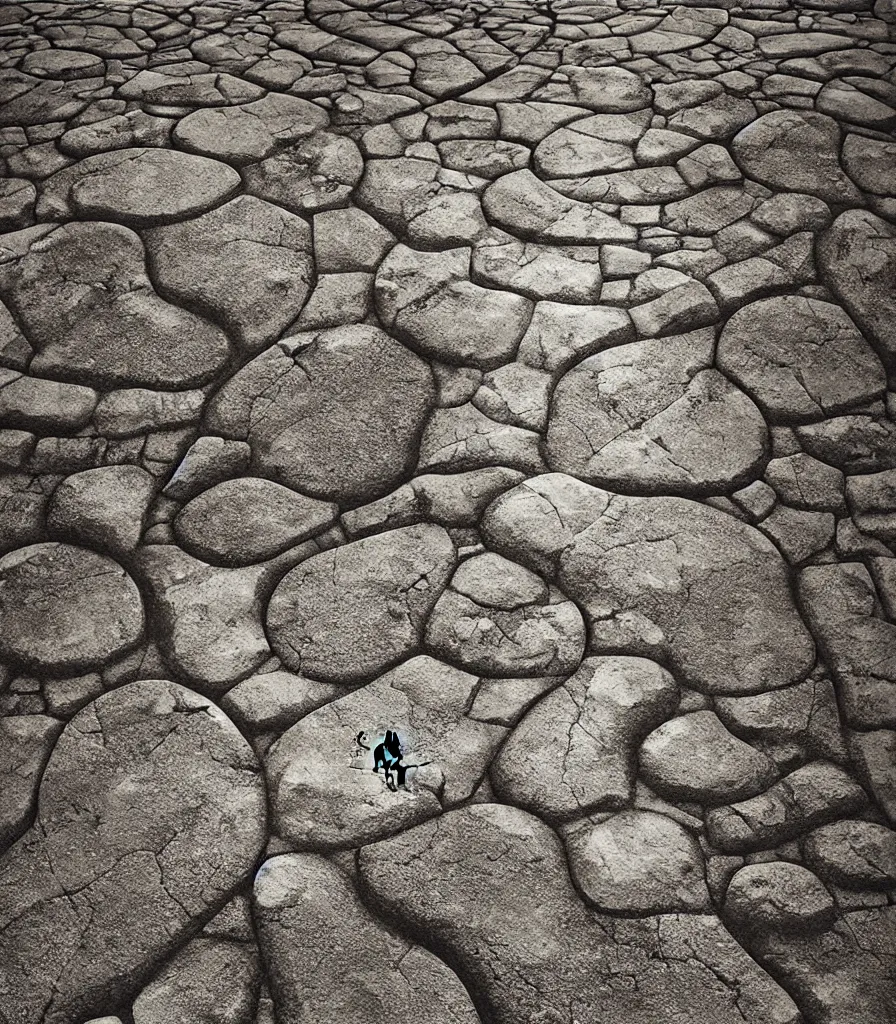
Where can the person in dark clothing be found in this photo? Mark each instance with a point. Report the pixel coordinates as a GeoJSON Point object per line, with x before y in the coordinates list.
{"type": "Point", "coordinates": [387, 755]}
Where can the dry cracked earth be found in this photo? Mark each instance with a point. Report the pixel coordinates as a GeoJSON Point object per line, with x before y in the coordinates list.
{"type": "Point", "coordinates": [511, 376]}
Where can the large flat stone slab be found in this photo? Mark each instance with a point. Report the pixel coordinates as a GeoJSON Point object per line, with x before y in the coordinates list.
{"type": "Point", "coordinates": [151, 813]}
{"type": "Point", "coordinates": [521, 938]}
{"type": "Point", "coordinates": [663, 578]}
{"type": "Point", "coordinates": [343, 411]}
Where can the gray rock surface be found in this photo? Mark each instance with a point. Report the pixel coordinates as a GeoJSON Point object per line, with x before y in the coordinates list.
{"type": "Point", "coordinates": [842, 972]}
{"type": "Point", "coordinates": [209, 979]}
{"type": "Point", "coordinates": [561, 334]}
{"type": "Point", "coordinates": [791, 725]}
{"type": "Point", "coordinates": [81, 293]}
{"type": "Point", "coordinates": [841, 607]}
{"type": "Point", "coordinates": [346, 615]}
{"type": "Point", "coordinates": [500, 619]}
{"type": "Point", "coordinates": [151, 811]}
{"type": "Point", "coordinates": [655, 416]}
{"type": "Point", "coordinates": [104, 507]}
{"type": "Point", "coordinates": [517, 379]}
{"type": "Point", "coordinates": [208, 461]}
{"type": "Point", "coordinates": [693, 611]}
{"type": "Point", "coordinates": [329, 957]}
{"type": "Point", "coordinates": [871, 498]}
{"type": "Point", "coordinates": [273, 701]}
{"type": "Point", "coordinates": [64, 607]}
{"type": "Point", "coordinates": [523, 205]}
{"type": "Point", "coordinates": [246, 132]}
{"type": "Point", "coordinates": [695, 758]}
{"type": "Point", "coordinates": [33, 403]}
{"type": "Point", "coordinates": [778, 896]}
{"type": "Point", "coordinates": [872, 753]}
{"type": "Point", "coordinates": [854, 854]}
{"type": "Point", "coordinates": [350, 404]}
{"type": "Point", "coordinates": [428, 300]}
{"type": "Point", "coordinates": [28, 741]}
{"type": "Point", "coordinates": [317, 172]}
{"type": "Point", "coordinates": [425, 206]}
{"type": "Point", "coordinates": [247, 520]}
{"type": "Point", "coordinates": [800, 359]}
{"type": "Point", "coordinates": [149, 185]}
{"type": "Point", "coordinates": [247, 264]}
{"type": "Point", "coordinates": [208, 618]}
{"type": "Point", "coordinates": [567, 273]}
{"type": "Point", "coordinates": [503, 876]}
{"type": "Point", "coordinates": [428, 704]}
{"type": "Point", "coordinates": [638, 862]}
{"type": "Point", "coordinates": [856, 257]}
{"type": "Point", "coordinates": [795, 151]}
{"type": "Point", "coordinates": [587, 731]}
{"type": "Point", "coordinates": [813, 795]}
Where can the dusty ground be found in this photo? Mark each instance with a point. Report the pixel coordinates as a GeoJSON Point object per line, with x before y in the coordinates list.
{"type": "Point", "coordinates": [510, 378]}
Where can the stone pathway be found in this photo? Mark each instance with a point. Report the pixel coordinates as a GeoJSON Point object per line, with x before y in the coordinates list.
{"type": "Point", "coordinates": [448, 512]}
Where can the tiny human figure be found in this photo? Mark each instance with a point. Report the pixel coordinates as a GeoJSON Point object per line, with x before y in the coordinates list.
{"type": "Point", "coordinates": [387, 756]}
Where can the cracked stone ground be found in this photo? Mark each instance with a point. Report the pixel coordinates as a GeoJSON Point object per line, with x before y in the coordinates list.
{"type": "Point", "coordinates": [518, 377]}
